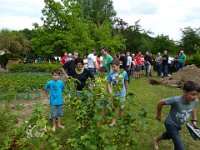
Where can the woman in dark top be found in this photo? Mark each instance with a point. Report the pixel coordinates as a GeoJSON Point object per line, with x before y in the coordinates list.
{"type": "Point", "coordinates": [81, 74]}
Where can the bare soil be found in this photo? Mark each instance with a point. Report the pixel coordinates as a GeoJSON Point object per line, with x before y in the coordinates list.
{"type": "Point", "coordinates": [188, 73]}
{"type": "Point", "coordinates": [24, 108]}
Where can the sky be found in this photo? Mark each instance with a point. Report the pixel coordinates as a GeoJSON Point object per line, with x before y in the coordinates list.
{"type": "Point", "coordinates": [157, 16]}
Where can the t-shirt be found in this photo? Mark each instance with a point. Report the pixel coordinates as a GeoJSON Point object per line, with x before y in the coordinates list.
{"type": "Point", "coordinates": [148, 59]}
{"type": "Point", "coordinates": [129, 60]}
{"type": "Point", "coordinates": [82, 78]}
{"type": "Point", "coordinates": [106, 62]}
{"type": "Point", "coordinates": [138, 59]}
{"type": "Point", "coordinates": [69, 66]}
{"type": "Point", "coordinates": [114, 78]}
{"type": "Point", "coordinates": [165, 59]}
{"type": "Point", "coordinates": [123, 62]}
{"type": "Point", "coordinates": [91, 60]}
{"type": "Point", "coordinates": [181, 58]}
{"type": "Point", "coordinates": [180, 110]}
{"type": "Point", "coordinates": [55, 89]}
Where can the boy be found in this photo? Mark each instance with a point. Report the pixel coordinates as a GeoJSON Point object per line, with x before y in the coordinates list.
{"type": "Point", "coordinates": [181, 109]}
{"type": "Point", "coordinates": [56, 87]}
{"type": "Point", "coordinates": [114, 78]}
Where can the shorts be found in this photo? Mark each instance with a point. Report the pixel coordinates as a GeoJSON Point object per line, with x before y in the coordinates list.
{"type": "Point", "coordinates": [122, 101]}
{"type": "Point", "coordinates": [56, 111]}
{"type": "Point", "coordinates": [138, 68]}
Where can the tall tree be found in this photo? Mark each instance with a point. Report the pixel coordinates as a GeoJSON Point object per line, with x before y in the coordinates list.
{"type": "Point", "coordinates": [14, 42]}
{"type": "Point", "coordinates": [190, 38]}
{"type": "Point", "coordinates": [98, 11]}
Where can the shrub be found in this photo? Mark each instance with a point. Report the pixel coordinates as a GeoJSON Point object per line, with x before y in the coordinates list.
{"type": "Point", "coordinates": [33, 67]}
{"type": "Point", "coordinates": [193, 59]}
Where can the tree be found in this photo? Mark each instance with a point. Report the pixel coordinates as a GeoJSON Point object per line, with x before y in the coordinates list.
{"type": "Point", "coordinates": [97, 11]}
{"type": "Point", "coordinates": [162, 42]}
{"type": "Point", "coordinates": [190, 38]}
{"type": "Point", "coordinates": [14, 42]}
{"type": "Point", "coordinates": [66, 29]}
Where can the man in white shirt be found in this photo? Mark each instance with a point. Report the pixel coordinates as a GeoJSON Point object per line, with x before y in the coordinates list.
{"type": "Point", "coordinates": [92, 62]}
{"type": "Point", "coordinates": [129, 60]}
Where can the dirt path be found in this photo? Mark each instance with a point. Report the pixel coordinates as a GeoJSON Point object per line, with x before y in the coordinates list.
{"type": "Point", "coordinates": [23, 108]}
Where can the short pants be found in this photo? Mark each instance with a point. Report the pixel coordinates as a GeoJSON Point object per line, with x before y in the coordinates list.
{"type": "Point", "coordinates": [56, 111]}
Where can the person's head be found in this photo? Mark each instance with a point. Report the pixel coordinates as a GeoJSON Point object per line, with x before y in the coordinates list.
{"type": "Point", "coordinates": [70, 55]}
{"type": "Point", "coordinates": [102, 70]}
{"type": "Point", "coordinates": [79, 63]}
{"type": "Point", "coordinates": [115, 64]}
{"type": "Point", "coordinates": [104, 51]}
{"type": "Point", "coordinates": [191, 90]}
{"type": "Point", "coordinates": [181, 52]}
{"type": "Point", "coordinates": [122, 53]}
{"type": "Point", "coordinates": [75, 55]}
{"type": "Point", "coordinates": [158, 53]}
{"type": "Point", "coordinates": [165, 52]}
{"type": "Point", "coordinates": [65, 54]}
{"type": "Point", "coordinates": [93, 51]}
{"type": "Point", "coordinates": [147, 53]}
{"type": "Point", "coordinates": [56, 74]}
{"type": "Point", "coordinates": [128, 53]}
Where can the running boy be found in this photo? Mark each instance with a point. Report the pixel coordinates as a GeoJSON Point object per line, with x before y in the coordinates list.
{"type": "Point", "coordinates": [119, 79]}
{"type": "Point", "coordinates": [56, 87]}
{"type": "Point", "coordinates": [181, 109]}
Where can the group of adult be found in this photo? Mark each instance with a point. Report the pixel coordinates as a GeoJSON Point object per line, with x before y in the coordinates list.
{"type": "Point", "coordinates": [82, 69]}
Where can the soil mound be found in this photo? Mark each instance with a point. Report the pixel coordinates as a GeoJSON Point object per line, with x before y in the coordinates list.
{"type": "Point", "coordinates": [188, 73]}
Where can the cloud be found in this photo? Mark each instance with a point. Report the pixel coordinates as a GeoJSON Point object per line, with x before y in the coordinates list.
{"type": "Point", "coordinates": [160, 17]}
{"type": "Point", "coordinates": [20, 14]}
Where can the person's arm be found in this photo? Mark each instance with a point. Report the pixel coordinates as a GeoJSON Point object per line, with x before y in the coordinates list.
{"type": "Point", "coordinates": [64, 72]}
{"type": "Point", "coordinates": [159, 109]}
{"type": "Point", "coordinates": [109, 87]}
{"type": "Point", "coordinates": [194, 117]}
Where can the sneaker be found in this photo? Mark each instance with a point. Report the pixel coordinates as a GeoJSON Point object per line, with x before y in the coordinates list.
{"type": "Point", "coordinates": [194, 131]}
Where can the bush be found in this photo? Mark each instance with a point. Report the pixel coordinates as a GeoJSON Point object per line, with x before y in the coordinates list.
{"type": "Point", "coordinates": [33, 67]}
{"type": "Point", "coordinates": [193, 59]}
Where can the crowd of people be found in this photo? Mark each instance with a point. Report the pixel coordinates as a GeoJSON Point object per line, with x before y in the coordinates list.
{"type": "Point", "coordinates": [133, 64]}
{"type": "Point", "coordinates": [81, 69]}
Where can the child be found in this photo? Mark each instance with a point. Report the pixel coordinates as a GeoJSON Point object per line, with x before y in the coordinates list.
{"type": "Point", "coordinates": [56, 87]}
{"type": "Point", "coordinates": [181, 109]}
{"type": "Point", "coordinates": [114, 78]}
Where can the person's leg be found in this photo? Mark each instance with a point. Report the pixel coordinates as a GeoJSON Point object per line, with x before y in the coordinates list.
{"type": "Point", "coordinates": [54, 116]}
{"type": "Point", "coordinates": [173, 133]}
{"type": "Point", "coordinates": [157, 141]}
{"type": "Point", "coordinates": [60, 114]}
{"type": "Point", "coordinates": [54, 124]}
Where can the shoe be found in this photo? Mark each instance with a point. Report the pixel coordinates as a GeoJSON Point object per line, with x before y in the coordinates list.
{"type": "Point", "coordinates": [194, 131]}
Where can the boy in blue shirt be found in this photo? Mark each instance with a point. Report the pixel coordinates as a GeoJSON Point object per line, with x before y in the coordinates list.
{"type": "Point", "coordinates": [181, 109]}
{"type": "Point", "coordinates": [55, 88]}
{"type": "Point", "coordinates": [115, 78]}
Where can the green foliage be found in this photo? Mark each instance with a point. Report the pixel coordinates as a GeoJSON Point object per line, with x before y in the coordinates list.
{"type": "Point", "coordinates": [93, 112]}
{"type": "Point", "coordinates": [31, 134]}
{"type": "Point", "coordinates": [15, 43]}
{"type": "Point", "coordinates": [66, 29]}
{"type": "Point", "coordinates": [190, 39]}
{"type": "Point", "coordinates": [97, 11]}
{"type": "Point", "coordinates": [21, 86]}
{"type": "Point", "coordinates": [33, 67]}
{"type": "Point", "coordinates": [162, 43]}
{"type": "Point", "coordinates": [193, 59]}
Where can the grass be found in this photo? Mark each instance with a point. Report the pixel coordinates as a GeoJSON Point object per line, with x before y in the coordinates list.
{"type": "Point", "coordinates": [147, 96]}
